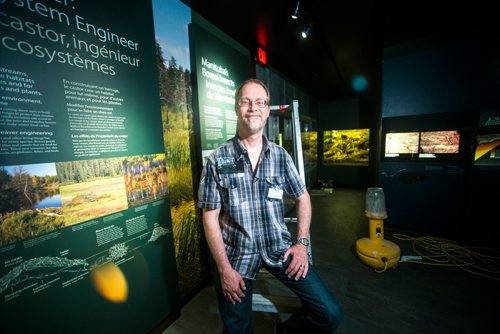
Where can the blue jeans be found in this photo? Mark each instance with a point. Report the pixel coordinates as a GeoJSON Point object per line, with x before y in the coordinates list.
{"type": "Point", "coordinates": [320, 312]}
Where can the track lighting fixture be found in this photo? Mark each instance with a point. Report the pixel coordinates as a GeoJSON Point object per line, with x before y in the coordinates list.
{"type": "Point", "coordinates": [295, 14]}
{"type": "Point", "coordinates": [306, 31]}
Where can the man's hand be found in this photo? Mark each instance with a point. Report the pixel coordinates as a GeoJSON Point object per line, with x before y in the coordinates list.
{"type": "Point", "coordinates": [233, 285]}
{"type": "Point", "coordinates": [300, 262]}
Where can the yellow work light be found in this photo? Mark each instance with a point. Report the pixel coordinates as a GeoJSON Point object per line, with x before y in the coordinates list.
{"type": "Point", "coordinates": [375, 251]}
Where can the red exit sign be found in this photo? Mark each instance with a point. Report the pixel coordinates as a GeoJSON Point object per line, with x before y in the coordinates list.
{"type": "Point", "coordinates": [261, 56]}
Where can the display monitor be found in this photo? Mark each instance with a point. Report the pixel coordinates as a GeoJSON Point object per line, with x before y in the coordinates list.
{"type": "Point", "coordinates": [487, 150]}
{"type": "Point", "coordinates": [415, 145]}
{"type": "Point", "coordinates": [397, 143]}
{"type": "Point", "coordinates": [438, 142]}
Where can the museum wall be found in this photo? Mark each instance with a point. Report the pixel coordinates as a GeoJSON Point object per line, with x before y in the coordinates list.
{"type": "Point", "coordinates": [436, 85]}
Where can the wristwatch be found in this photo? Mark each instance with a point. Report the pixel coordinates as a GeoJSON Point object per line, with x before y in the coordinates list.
{"type": "Point", "coordinates": [303, 241]}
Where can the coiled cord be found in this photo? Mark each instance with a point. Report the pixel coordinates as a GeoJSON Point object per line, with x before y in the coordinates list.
{"type": "Point", "coordinates": [435, 251]}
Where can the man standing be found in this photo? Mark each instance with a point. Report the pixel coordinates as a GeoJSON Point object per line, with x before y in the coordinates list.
{"type": "Point", "coordinates": [241, 193]}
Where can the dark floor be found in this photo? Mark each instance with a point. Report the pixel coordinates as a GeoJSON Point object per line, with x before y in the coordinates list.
{"type": "Point", "coordinates": [409, 298]}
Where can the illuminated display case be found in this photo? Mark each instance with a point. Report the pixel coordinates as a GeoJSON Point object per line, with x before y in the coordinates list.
{"type": "Point", "coordinates": [487, 152]}
{"type": "Point", "coordinates": [310, 148]}
{"type": "Point", "coordinates": [279, 129]}
{"type": "Point", "coordinates": [346, 147]}
{"type": "Point", "coordinates": [442, 144]}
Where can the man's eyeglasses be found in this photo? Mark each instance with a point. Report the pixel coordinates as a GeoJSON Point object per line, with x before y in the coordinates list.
{"type": "Point", "coordinates": [246, 103]}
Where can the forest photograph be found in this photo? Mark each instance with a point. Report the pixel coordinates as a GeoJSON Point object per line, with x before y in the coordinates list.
{"type": "Point", "coordinates": [171, 19]}
{"type": "Point", "coordinates": [91, 188]}
{"type": "Point", "coordinates": [30, 202]}
{"type": "Point", "coordinates": [145, 178]}
{"type": "Point", "coordinates": [177, 122]}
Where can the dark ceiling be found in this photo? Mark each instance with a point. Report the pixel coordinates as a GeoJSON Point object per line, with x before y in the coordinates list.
{"type": "Point", "coordinates": [346, 40]}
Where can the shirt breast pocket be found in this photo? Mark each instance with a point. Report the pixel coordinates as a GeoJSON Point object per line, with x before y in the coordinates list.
{"type": "Point", "coordinates": [231, 189]}
{"type": "Point", "coordinates": [275, 188]}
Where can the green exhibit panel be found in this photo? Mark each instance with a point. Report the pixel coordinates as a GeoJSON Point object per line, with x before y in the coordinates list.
{"type": "Point", "coordinates": [219, 69]}
{"type": "Point", "coordinates": [85, 232]}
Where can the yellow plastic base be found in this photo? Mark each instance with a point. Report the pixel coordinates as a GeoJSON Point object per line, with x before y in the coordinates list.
{"type": "Point", "coordinates": [379, 254]}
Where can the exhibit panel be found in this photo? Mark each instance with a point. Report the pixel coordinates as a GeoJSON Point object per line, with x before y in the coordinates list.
{"type": "Point", "coordinates": [484, 180]}
{"type": "Point", "coordinates": [85, 232]}
{"type": "Point", "coordinates": [219, 69]}
{"type": "Point", "coordinates": [171, 19]}
{"type": "Point", "coordinates": [487, 143]}
{"type": "Point", "coordinates": [424, 170]}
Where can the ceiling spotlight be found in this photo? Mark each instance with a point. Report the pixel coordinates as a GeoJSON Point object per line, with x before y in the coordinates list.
{"type": "Point", "coordinates": [295, 14]}
{"type": "Point", "coordinates": [306, 31]}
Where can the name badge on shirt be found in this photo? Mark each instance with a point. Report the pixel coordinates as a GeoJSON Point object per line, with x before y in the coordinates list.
{"type": "Point", "coordinates": [275, 193]}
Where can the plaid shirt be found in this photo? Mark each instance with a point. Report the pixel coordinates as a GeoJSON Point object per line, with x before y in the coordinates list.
{"type": "Point", "coordinates": [251, 217]}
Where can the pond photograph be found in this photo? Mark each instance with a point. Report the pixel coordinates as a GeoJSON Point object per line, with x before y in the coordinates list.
{"type": "Point", "coordinates": [30, 202]}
